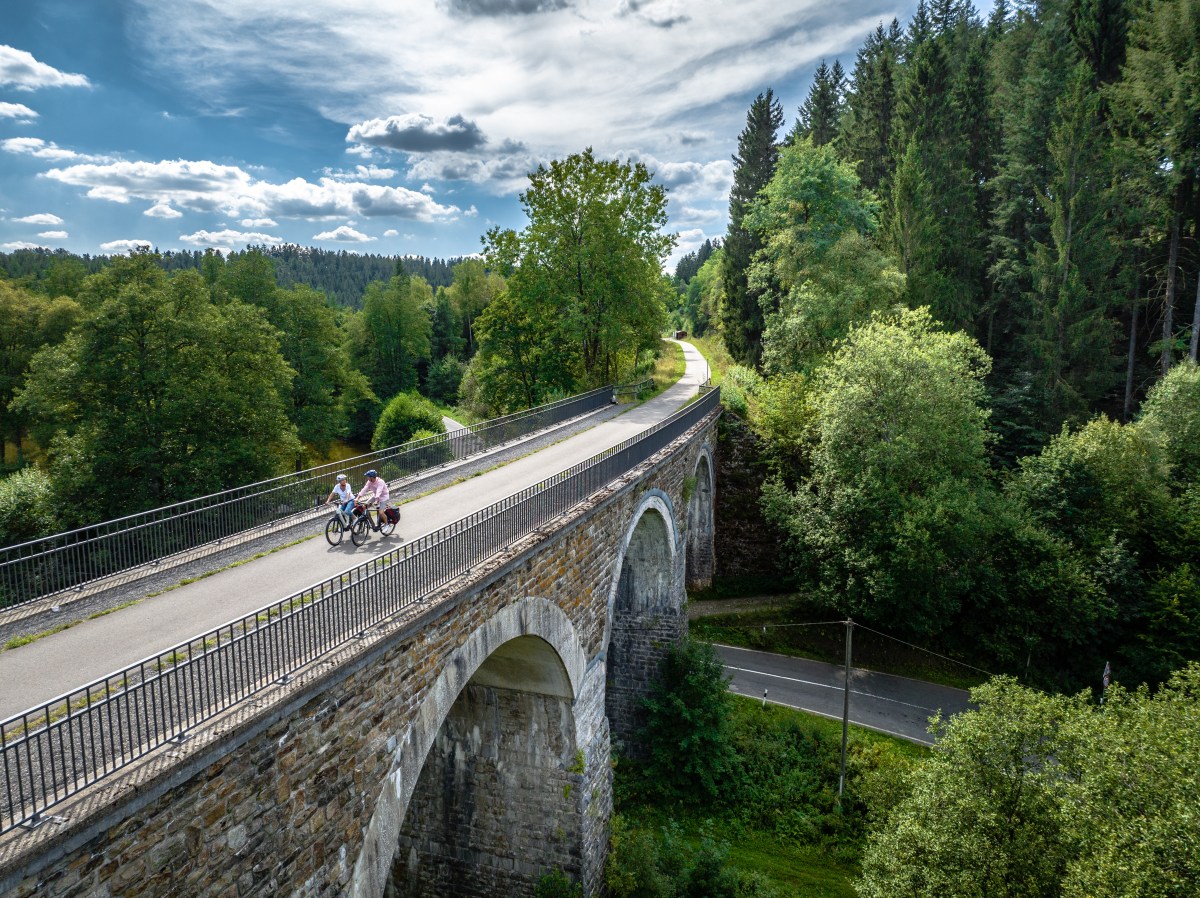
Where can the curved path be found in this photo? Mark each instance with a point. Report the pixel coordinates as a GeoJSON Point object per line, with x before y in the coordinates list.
{"type": "Point", "coordinates": [46, 669]}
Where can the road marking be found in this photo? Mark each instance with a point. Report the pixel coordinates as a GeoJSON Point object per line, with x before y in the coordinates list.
{"type": "Point", "coordinates": [865, 726]}
{"type": "Point", "coordinates": [827, 686]}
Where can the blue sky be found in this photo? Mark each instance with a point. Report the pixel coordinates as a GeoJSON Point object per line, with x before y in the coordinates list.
{"type": "Point", "coordinates": [394, 128]}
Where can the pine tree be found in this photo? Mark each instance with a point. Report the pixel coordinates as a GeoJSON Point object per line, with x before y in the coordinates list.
{"type": "Point", "coordinates": [821, 113]}
{"type": "Point", "coordinates": [754, 165]}
{"type": "Point", "coordinates": [870, 108]}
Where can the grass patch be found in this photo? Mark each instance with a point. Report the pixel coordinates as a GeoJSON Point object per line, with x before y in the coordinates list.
{"type": "Point", "coordinates": [712, 347]}
{"type": "Point", "coordinates": [668, 367]}
{"type": "Point", "coordinates": [17, 641]}
{"type": "Point", "coordinates": [778, 822]}
{"type": "Point", "coordinates": [784, 630]}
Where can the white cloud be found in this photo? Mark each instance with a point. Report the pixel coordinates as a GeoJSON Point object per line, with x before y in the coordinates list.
{"type": "Point", "coordinates": [344, 234]}
{"type": "Point", "coordinates": [41, 218]}
{"type": "Point", "coordinates": [22, 244]}
{"type": "Point", "coordinates": [258, 223]}
{"type": "Point", "coordinates": [205, 186]}
{"type": "Point", "coordinates": [391, 232]}
{"type": "Point", "coordinates": [41, 149]}
{"type": "Point", "coordinates": [125, 246]}
{"type": "Point", "coordinates": [16, 110]}
{"type": "Point", "coordinates": [162, 210]}
{"type": "Point", "coordinates": [370, 172]}
{"type": "Point", "coordinates": [19, 69]}
{"type": "Point", "coordinates": [217, 239]}
{"type": "Point", "coordinates": [54, 235]}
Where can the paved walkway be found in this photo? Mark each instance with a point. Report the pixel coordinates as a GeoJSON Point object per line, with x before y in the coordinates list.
{"type": "Point", "coordinates": [46, 669]}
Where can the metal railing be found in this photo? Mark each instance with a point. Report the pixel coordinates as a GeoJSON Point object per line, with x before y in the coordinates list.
{"type": "Point", "coordinates": [65, 561]}
{"type": "Point", "coordinates": [634, 389]}
{"type": "Point", "coordinates": [55, 750]}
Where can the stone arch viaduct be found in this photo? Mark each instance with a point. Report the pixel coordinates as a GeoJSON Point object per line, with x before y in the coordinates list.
{"type": "Point", "coordinates": [463, 748]}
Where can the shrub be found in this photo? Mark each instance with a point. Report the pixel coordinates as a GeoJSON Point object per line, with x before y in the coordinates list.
{"type": "Point", "coordinates": [557, 884]}
{"type": "Point", "coordinates": [687, 731]}
{"type": "Point", "coordinates": [406, 414]}
{"type": "Point", "coordinates": [27, 506]}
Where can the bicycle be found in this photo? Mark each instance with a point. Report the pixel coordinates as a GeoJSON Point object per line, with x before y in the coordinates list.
{"type": "Point", "coordinates": [337, 526]}
{"type": "Point", "coordinates": [364, 524]}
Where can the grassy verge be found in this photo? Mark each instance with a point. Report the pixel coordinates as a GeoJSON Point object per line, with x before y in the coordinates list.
{"type": "Point", "coordinates": [712, 347]}
{"type": "Point", "coordinates": [785, 629]}
{"type": "Point", "coordinates": [668, 368]}
{"type": "Point", "coordinates": [780, 824]}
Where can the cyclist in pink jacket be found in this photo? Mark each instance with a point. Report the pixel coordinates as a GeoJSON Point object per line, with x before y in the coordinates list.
{"type": "Point", "coordinates": [376, 488]}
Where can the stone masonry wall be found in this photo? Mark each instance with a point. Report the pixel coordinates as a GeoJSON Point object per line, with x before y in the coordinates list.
{"type": "Point", "coordinates": [489, 816]}
{"type": "Point", "coordinates": [275, 797]}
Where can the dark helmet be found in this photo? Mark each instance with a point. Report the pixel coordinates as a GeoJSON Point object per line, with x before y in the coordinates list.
{"type": "Point", "coordinates": [372, 473]}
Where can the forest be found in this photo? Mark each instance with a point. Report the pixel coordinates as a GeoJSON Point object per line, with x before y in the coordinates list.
{"type": "Point", "coordinates": [960, 294]}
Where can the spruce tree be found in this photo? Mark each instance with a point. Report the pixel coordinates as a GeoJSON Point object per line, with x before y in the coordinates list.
{"type": "Point", "coordinates": [821, 113]}
{"type": "Point", "coordinates": [754, 165]}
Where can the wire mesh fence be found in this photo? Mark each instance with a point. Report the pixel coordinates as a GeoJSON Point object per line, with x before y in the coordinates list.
{"type": "Point", "coordinates": [59, 748]}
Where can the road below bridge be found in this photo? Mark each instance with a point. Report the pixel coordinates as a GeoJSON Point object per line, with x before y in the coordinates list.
{"type": "Point", "coordinates": [898, 706]}
{"type": "Point", "coordinates": [51, 666]}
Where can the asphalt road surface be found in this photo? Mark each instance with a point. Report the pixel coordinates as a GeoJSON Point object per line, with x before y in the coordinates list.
{"type": "Point", "coordinates": [46, 669]}
{"type": "Point", "coordinates": [898, 706]}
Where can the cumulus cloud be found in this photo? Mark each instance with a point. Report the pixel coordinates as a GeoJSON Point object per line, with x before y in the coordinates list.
{"type": "Point", "coordinates": [221, 239]}
{"type": "Point", "coordinates": [22, 244]}
{"type": "Point", "coordinates": [16, 110]}
{"type": "Point", "coordinates": [41, 149]}
{"type": "Point", "coordinates": [416, 133]}
{"type": "Point", "coordinates": [125, 246]}
{"type": "Point", "coordinates": [54, 235]}
{"type": "Point", "coordinates": [40, 218]}
{"type": "Point", "coordinates": [659, 13]}
{"type": "Point", "coordinates": [20, 70]}
{"type": "Point", "coordinates": [362, 173]}
{"type": "Point", "coordinates": [258, 223]}
{"type": "Point", "coordinates": [391, 232]}
{"type": "Point", "coordinates": [344, 234]}
{"type": "Point", "coordinates": [162, 210]}
{"type": "Point", "coordinates": [204, 186]}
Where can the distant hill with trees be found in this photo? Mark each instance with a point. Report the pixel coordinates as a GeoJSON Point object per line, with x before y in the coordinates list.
{"type": "Point", "coordinates": [341, 275]}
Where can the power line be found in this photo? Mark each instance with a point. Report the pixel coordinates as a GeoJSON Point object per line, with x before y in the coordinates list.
{"type": "Point", "coordinates": [927, 651]}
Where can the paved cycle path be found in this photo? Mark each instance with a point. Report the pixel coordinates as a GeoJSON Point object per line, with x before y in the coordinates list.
{"type": "Point", "coordinates": [46, 669]}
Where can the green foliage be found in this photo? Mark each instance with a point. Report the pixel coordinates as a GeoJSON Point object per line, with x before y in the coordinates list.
{"type": "Point", "coordinates": [391, 333]}
{"type": "Point", "coordinates": [1172, 412]}
{"type": "Point", "coordinates": [203, 393]}
{"type": "Point", "coordinates": [28, 506]}
{"type": "Point", "coordinates": [886, 522]}
{"type": "Point", "coordinates": [585, 293]}
{"type": "Point", "coordinates": [444, 378]}
{"type": "Point", "coordinates": [1033, 794]}
{"type": "Point", "coordinates": [643, 864]}
{"type": "Point", "coordinates": [557, 884]}
{"type": "Point", "coordinates": [687, 726]}
{"type": "Point", "coordinates": [403, 417]}
{"type": "Point", "coordinates": [754, 165]}
{"type": "Point", "coordinates": [28, 322]}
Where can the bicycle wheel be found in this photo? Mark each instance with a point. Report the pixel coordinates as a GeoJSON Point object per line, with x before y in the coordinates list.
{"type": "Point", "coordinates": [360, 531]}
{"type": "Point", "coordinates": [334, 531]}
{"type": "Point", "coordinates": [386, 526]}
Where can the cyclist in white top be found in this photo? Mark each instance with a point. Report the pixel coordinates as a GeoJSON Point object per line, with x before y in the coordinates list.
{"type": "Point", "coordinates": [343, 495]}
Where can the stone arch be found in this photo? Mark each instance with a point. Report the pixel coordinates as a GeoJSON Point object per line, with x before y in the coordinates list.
{"type": "Point", "coordinates": [701, 526]}
{"type": "Point", "coordinates": [530, 637]}
{"type": "Point", "coordinates": [644, 613]}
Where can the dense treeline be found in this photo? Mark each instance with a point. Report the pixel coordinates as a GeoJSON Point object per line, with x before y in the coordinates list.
{"type": "Point", "coordinates": [135, 381]}
{"type": "Point", "coordinates": [960, 290]}
{"type": "Point", "coordinates": [342, 276]}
